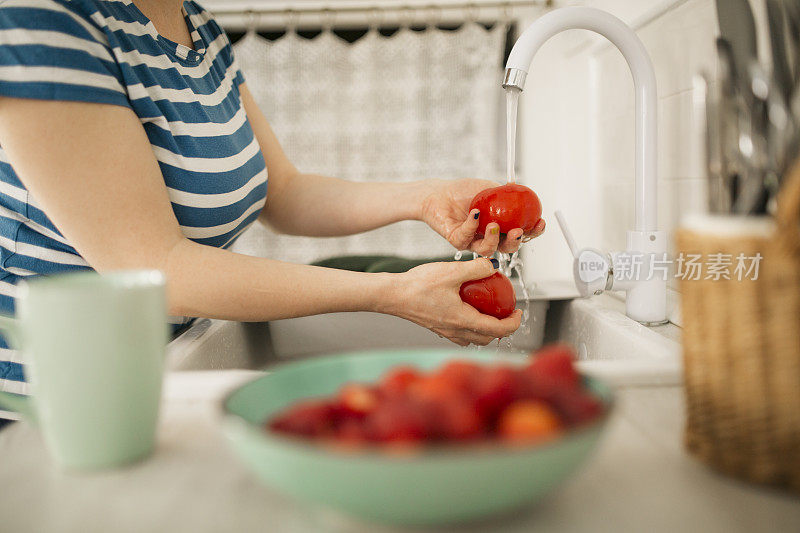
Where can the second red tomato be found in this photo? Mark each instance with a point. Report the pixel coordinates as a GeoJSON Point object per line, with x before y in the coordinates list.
{"type": "Point", "coordinates": [491, 296]}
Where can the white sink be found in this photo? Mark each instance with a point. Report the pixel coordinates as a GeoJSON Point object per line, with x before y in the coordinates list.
{"type": "Point", "coordinates": [610, 345]}
{"type": "Point", "coordinates": [218, 344]}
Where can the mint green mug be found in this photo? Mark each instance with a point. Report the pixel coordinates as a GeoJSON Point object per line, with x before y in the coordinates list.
{"type": "Point", "coordinates": [94, 348]}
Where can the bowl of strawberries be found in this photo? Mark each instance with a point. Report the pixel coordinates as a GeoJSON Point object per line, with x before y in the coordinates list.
{"type": "Point", "coordinates": [419, 437]}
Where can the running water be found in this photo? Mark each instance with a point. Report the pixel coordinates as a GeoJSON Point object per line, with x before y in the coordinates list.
{"type": "Point", "coordinates": [509, 263]}
{"type": "Point", "coordinates": [512, 99]}
{"type": "Point", "coordinates": [512, 263]}
{"type": "Point", "coordinates": [516, 264]}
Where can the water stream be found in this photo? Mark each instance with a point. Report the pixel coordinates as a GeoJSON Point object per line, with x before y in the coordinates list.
{"type": "Point", "coordinates": [511, 262]}
{"type": "Point", "coordinates": [512, 100]}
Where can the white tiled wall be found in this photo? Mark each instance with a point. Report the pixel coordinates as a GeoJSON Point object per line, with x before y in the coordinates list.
{"type": "Point", "coordinates": [577, 136]}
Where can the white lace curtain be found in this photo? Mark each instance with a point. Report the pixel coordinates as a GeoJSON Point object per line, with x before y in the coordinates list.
{"type": "Point", "coordinates": [417, 104]}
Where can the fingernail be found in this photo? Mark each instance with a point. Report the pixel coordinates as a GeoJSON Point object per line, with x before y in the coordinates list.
{"type": "Point", "coordinates": [476, 215]}
{"type": "Point", "coordinates": [495, 263]}
{"type": "Point", "coordinates": [495, 230]}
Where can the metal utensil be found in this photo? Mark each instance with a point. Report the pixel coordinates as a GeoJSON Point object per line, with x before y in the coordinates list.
{"type": "Point", "coordinates": [737, 26]}
{"type": "Point", "coordinates": [792, 17]}
{"type": "Point", "coordinates": [754, 135]}
{"type": "Point", "coordinates": [726, 118]}
{"type": "Point", "coordinates": [705, 105]}
{"type": "Point", "coordinates": [781, 126]}
{"type": "Point", "coordinates": [781, 67]}
{"type": "Point", "coordinates": [749, 187]}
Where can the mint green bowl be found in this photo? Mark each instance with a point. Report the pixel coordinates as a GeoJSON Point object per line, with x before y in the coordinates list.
{"type": "Point", "coordinates": [434, 486]}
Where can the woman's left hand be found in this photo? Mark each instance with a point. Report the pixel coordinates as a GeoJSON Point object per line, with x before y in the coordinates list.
{"type": "Point", "coordinates": [446, 210]}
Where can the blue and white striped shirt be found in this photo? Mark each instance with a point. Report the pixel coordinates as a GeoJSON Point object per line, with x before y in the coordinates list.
{"type": "Point", "coordinates": [188, 101]}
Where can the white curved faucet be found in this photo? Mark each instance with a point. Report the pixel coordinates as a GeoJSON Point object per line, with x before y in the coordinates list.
{"type": "Point", "coordinates": [646, 298]}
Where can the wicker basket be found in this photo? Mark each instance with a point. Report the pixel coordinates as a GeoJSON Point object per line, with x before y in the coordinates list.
{"type": "Point", "coordinates": [741, 344]}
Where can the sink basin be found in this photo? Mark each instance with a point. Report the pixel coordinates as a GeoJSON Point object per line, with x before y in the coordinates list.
{"type": "Point", "coordinates": [610, 345]}
{"type": "Point", "coordinates": [613, 347]}
{"type": "Point", "coordinates": [218, 344]}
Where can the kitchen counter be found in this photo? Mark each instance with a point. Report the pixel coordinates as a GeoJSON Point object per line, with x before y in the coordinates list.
{"type": "Point", "coordinates": [638, 480]}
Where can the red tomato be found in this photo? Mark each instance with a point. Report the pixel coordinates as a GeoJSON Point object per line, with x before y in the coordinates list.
{"type": "Point", "coordinates": [528, 420]}
{"type": "Point", "coordinates": [510, 205]}
{"type": "Point", "coordinates": [398, 421]}
{"type": "Point", "coordinates": [553, 366]}
{"type": "Point", "coordinates": [459, 419]}
{"type": "Point", "coordinates": [396, 382]}
{"type": "Point", "coordinates": [495, 389]}
{"type": "Point", "coordinates": [578, 407]}
{"type": "Point", "coordinates": [352, 432]}
{"type": "Point", "coordinates": [491, 296]}
{"type": "Point", "coordinates": [462, 374]}
{"type": "Point", "coordinates": [357, 399]}
{"type": "Point", "coordinates": [311, 418]}
{"type": "Point", "coordinates": [432, 388]}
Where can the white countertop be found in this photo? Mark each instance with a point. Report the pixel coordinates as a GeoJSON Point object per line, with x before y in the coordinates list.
{"type": "Point", "coordinates": [638, 480]}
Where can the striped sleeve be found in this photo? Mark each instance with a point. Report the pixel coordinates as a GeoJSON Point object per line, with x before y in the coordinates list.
{"type": "Point", "coordinates": [50, 52]}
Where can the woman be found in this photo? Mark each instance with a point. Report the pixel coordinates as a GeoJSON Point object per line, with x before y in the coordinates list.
{"type": "Point", "coordinates": [130, 140]}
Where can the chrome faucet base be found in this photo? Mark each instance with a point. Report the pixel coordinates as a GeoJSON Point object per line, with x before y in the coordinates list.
{"type": "Point", "coordinates": [654, 324]}
{"type": "Point", "coordinates": [514, 79]}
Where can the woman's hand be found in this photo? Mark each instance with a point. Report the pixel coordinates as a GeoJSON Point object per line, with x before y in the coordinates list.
{"type": "Point", "coordinates": [445, 209]}
{"type": "Point", "coordinates": [428, 295]}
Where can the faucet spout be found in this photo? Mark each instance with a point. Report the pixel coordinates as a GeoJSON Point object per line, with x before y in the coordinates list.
{"type": "Point", "coordinates": [644, 81]}
{"type": "Point", "coordinates": [646, 296]}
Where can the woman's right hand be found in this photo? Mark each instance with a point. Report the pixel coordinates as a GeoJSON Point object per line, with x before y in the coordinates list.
{"type": "Point", "coordinates": [428, 295]}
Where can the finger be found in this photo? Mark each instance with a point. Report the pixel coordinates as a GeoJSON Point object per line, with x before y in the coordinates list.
{"type": "Point", "coordinates": [511, 242]}
{"type": "Point", "coordinates": [451, 335]}
{"type": "Point", "coordinates": [537, 230]}
{"type": "Point", "coordinates": [476, 269]}
{"type": "Point", "coordinates": [470, 336]}
{"type": "Point", "coordinates": [489, 325]}
{"type": "Point", "coordinates": [477, 339]}
{"type": "Point", "coordinates": [512, 322]}
{"type": "Point", "coordinates": [488, 245]}
{"type": "Point", "coordinates": [458, 340]}
{"type": "Point", "coordinates": [463, 234]}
